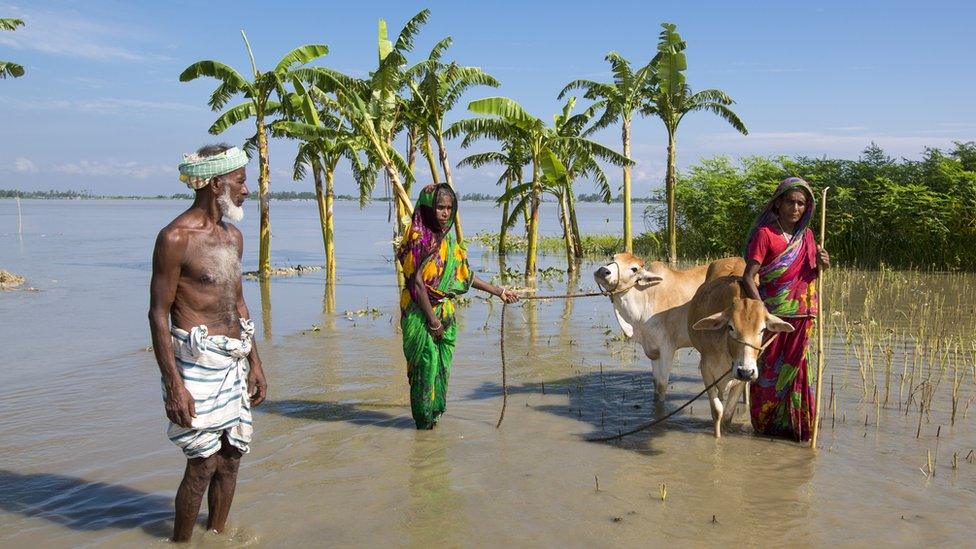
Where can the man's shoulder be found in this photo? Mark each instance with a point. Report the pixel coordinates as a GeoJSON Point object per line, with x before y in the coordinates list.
{"type": "Point", "coordinates": [176, 233]}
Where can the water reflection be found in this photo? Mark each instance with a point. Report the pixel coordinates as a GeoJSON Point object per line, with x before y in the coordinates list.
{"type": "Point", "coordinates": [436, 509]}
{"type": "Point", "coordinates": [266, 307]}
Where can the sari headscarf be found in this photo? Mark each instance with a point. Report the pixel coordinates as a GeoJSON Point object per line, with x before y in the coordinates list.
{"type": "Point", "coordinates": [442, 260]}
{"type": "Point", "coordinates": [786, 283]}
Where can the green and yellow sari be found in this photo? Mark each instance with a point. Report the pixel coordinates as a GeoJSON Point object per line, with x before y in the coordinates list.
{"type": "Point", "coordinates": [443, 264]}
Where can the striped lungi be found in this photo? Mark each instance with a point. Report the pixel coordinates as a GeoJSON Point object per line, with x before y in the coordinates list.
{"type": "Point", "coordinates": [214, 371]}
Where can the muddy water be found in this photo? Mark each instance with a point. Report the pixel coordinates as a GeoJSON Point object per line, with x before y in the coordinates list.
{"type": "Point", "coordinates": [336, 460]}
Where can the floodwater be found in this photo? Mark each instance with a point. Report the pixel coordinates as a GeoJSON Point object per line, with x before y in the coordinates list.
{"type": "Point", "coordinates": [336, 461]}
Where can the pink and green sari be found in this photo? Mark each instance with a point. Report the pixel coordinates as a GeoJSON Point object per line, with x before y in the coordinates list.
{"type": "Point", "coordinates": [783, 397]}
{"type": "Point", "coordinates": [443, 263]}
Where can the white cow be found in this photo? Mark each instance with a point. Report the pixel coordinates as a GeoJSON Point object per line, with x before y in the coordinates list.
{"type": "Point", "coordinates": [651, 304]}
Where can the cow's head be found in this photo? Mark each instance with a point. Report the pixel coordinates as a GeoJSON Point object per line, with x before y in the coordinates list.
{"type": "Point", "coordinates": [743, 324]}
{"type": "Point", "coordinates": [625, 271]}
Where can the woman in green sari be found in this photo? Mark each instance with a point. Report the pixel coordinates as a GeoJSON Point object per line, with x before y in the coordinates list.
{"type": "Point", "coordinates": [435, 272]}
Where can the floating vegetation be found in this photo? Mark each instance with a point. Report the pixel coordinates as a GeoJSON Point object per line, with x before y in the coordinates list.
{"type": "Point", "coordinates": [296, 270]}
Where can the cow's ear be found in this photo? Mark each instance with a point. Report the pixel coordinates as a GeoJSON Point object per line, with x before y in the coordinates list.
{"type": "Point", "coordinates": [777, 324]}
{"type": "Point", "coordinates": [647, 278]}
{"type": "Point", "coordinates": [716, 321]}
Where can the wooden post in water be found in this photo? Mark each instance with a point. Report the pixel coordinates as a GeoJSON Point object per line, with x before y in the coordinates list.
{"type": "Point", "coordinates": [20, 219]}
{"type": "Point", "coordinates": [820, 321]}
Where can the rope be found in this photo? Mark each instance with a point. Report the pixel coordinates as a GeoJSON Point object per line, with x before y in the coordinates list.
{"type": "Point", "coordinates": [649, 424]}
{"type": "Point", "coordinates": [654, 422]}
{"type": "Point", "coordinates": [501, 417]}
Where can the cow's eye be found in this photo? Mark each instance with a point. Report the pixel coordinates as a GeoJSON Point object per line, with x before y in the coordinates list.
{"type": "Point", "coordinates": [633, 269]}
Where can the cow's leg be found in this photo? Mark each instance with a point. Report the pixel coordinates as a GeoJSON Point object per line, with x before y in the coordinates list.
{"type": "Point", "coordinates": [732, 400]}
{"type": "Point", "coordinates": [714, 398]}
{"type": "Point", "coordinates": [662, 371]}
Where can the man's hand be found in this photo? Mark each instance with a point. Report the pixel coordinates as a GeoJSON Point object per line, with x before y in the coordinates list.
{"type": "Point", "coordinates": [823, 258]}
{"type": "Point", "coordinates": [180, 408]}
{"type": "Point", "coordinates": [256, 385]}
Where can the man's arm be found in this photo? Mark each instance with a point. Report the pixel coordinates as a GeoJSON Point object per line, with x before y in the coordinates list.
{"type": "Point", "coordinates": [167, 260]}
{"type": "Point", "coordinates": [257, 385]}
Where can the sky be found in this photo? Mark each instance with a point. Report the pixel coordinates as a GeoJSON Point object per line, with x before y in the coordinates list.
{"type": "Point", "coordinates": [101, 107]}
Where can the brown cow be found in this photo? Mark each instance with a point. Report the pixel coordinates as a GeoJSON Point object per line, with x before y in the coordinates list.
{"type": "Point", "coordinates": [727, 329]}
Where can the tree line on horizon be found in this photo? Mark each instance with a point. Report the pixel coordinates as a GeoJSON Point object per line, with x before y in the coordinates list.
{"type": "Point", "coordinates": [881, 211]}
{"type": "Point", "coordinates": [339, 118]}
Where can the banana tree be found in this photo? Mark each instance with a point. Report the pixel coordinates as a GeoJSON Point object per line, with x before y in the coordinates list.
{"type": "Point", "coordinates": [619, 100]}
{"type": "Point", "coordinates": [438, 90]}
{"type": "Point", "coordinates": [512, 157]}
{"type": "Point", "coordinates": [326, 140]}
{"type": "Point", "coordinates": [258, 105]}
{"type": "Point", "coordinates": [506, 118]}
{"type": "Point", "coordinates": [670, 98]}
{"type": "Point", "coordinates": [581, 160]}
{"type": "Point", "coordinates": [9, 68]}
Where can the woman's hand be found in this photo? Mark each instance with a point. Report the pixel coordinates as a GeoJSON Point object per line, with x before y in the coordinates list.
{"type": "Point", "coordinates": [508, 296]}
{"type": "Point", "coordinates": [823, 258]}
{"type": "Point", "coordinates": [436, 329]}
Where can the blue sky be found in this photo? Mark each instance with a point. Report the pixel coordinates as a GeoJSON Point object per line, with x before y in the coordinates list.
{"type": "Point", "coordinates": [101, 107]}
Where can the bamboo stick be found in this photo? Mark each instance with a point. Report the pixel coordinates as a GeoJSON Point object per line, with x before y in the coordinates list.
{"type": "Point", "coordinates": [820, 321]}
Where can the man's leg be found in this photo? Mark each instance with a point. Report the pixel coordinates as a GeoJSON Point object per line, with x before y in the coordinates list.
{"type": "Point", "coordinates": [222, 485]}
{"type": "Point", "coordinates": [198, 473]}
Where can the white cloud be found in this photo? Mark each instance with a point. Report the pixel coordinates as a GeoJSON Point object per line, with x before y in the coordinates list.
{"type": "Point", "coordinates": [25, 165]}
{"type": "Point", "coordinates": [113, 168]}
{"type": "Point", "coordinates": [68, 34]}
{"type": "Point", "coordinates": [102, 106]}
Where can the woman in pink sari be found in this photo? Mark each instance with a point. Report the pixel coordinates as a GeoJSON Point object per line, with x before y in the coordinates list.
{"type": "Point", "coordinates": [782, 251]}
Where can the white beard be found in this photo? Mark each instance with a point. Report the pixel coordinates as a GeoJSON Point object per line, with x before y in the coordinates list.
{"type": "Point", "coordinates": [227, 207]}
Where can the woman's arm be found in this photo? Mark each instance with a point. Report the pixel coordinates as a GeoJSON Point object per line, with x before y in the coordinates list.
{"type": "Point", "coordinates": [508, 296]}
{"type": "Point", "coordinates": [749, 279]}
{"type": "Point", "coordinates": [434, 325]}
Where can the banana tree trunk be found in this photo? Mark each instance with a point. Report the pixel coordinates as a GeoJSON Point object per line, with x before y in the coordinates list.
{"type": "Point", "coordinates": [320, 202]}
{"type": "Point", "coordinates": [411, 151]}
{"type": "Point", "coordinates": [264, 184]}
{"type": "Point", "coordinates": [429, 154]}
{"type": "Point", "coordinates": [533, 230]}
{"type": "Point", "coordinates": [577, 240]}
{"type": "Point", "coordinates": [503, 231]}
{"type": "Point", "coordinates": [446, 166]}
{"type": "Point", "coordinates": [672, 215]}
{"type": "Point", "coordinates": [628, 237]}
{"type": "Point", "coordinates": [330, 262]}
{"type": "Point", "coordinates": [567, 234]}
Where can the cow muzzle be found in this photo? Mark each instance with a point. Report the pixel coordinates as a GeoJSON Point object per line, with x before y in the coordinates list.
{"type": "Point", "coordinates": [604, 277]}
{"type": "Point", "coordinates": [744, 371]}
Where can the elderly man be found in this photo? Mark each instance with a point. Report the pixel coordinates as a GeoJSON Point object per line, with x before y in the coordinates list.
{"type": "Point", "coordinates": [201, 334]}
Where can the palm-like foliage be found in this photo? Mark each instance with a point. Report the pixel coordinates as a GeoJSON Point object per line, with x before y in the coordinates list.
{"type": "Point", "coordinates": [438, 90]}
{"type": "Point", "coordinates": [9, 68]}
{"type": "Point", "coordinates": [509, 121]}
{"type": "Point", "coordinates": [670, 99]}
{"type": "Point", "coordinates": [326, 140]}
{"type": "Point", "coordinates": [512, 157]}
{"type": "Point", "coordinates": [618, 100]}
{"type": "Point", "coordinates": [258, 104]}
{"type": "Point", "coordinates": [376, 110]}
{"type": "Point", "coordinates": [582, 161]}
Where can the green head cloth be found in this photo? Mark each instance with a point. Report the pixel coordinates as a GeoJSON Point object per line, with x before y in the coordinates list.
{"type": "Point", "coordinates": [196, 171]}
